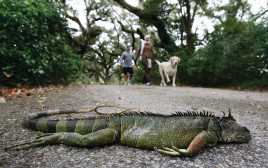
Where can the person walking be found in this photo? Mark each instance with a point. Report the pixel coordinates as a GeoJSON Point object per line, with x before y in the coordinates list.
{"type": "Point", "coordinates": [146, 51]}
{"type": "Point", "coordinates": [126, 62]}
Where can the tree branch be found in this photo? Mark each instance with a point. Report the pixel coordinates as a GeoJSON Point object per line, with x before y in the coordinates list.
{"type": "Point", "coordinates": [258, 16]}
{"type": "Point", "coordinates": [194, 12]}
{"type": "Point", "coordinates": [166, 41]}
{"type": "Point", "coordinates": [73, 18]}
{"type": "Point", "coordinates": [128, 7]}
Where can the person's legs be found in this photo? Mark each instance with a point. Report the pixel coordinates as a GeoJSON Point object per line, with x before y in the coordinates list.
{"type": "Point", "coordinates": [125, 74]}
{"type": "Point", "coordinates": [144, 79]}
{"type": "Point", "coordinates": [149, 76]}
{"type": "Point", "coordinates": [147, 71]}
{"type": "Point", "coordinates": [130, 76]}
{"type": "Point", "coordinates": [130, 73]}
{"type": "Point", "coordinates": [125, 77]}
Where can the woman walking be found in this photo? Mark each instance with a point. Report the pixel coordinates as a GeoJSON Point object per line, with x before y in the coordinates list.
{"type": "Point", "coordinates": [146, 51]}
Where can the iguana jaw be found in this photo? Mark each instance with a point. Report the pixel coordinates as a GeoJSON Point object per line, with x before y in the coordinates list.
{"type": "Point", "coordinates": [241, 136]}
{"type": "Point", "coordinates": [232, 132]}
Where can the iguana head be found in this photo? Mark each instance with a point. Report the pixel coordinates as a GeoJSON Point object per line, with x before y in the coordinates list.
{"type": "Point", "coordinates": [232, 132]}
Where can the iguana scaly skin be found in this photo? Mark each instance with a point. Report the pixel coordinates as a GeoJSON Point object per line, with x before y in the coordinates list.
{"type": "Point", "coordinates": [180, 134]}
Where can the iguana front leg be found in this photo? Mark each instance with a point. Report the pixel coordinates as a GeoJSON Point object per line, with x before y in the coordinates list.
{"type": "Point", "coordinates": [101, 137]}
{"type": "Point", "coordinates": [203, 139]}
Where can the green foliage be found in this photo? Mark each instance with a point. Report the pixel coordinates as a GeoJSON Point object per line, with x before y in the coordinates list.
{"type": "Point", "coordinates": [236, 54]}
{"type": "Point", "coordinates": [84, 79]}
{"type": "Point", "coordinates": [233, 59]}
{"type": "Point", "coordinates": [157, 8]}
{"type": "Point", "coordinates": [32, 46]}
{"type": "Point", "coordinates": [39, 133]}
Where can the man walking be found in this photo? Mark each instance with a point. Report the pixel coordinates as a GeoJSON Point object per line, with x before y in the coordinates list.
{"type": "Point", "coordinates": [126, 62]}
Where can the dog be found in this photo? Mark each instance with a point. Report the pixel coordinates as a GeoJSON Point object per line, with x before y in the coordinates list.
{"type": "Point", "coordinates": [169, 69]}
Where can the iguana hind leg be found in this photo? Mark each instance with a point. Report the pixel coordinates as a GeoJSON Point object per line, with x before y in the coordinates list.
{"type": "Point", "coordinates": [199, 142]}
{"type": "Point", "coordinates": [100, 137]}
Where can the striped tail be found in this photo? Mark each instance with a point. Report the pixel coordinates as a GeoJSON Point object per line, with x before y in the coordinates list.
{"type": "Point", "coordinates": [32, 121]}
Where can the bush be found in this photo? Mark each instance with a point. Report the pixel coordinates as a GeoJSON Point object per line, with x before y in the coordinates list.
{"type": "Point", "coordinates": [33, 48]}
{"type": "Point", "coordinates": [232, 60]}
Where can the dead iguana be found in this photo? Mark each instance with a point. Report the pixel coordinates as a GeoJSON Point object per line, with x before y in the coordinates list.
{"type": "Point", "coordinates": [180, 134]}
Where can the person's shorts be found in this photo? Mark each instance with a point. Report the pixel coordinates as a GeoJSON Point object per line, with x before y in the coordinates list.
{"type": "Point", "coordinates": [127, 70]}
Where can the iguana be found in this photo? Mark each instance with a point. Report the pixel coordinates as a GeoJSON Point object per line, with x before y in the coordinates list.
{"type": "Point", "coordinates": [180, 134]}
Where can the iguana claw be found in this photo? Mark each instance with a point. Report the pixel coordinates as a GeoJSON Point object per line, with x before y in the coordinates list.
{"type": "Point", "coordinates": [167, 151]}
{"type": "Point", "coordinates": [44, 135]}
{"type": "Point", "coordinates": [26, 145]}
{"type": "Point", "coordinates": [49, 138]}
{"type": "Point", "coordinates": [176, 149]}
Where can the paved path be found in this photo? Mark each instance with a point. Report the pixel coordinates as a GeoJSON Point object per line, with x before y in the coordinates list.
{"type": "Point", "coordinates": [248, 108]}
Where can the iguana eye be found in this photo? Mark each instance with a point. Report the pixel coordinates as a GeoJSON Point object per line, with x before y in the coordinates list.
{"type": "Point", "coordinates": [244, 129]}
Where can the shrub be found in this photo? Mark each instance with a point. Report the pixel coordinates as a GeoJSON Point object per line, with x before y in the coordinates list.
{"type": "Point", "coordinates": [33, 48]}
{"type": "Point", "coordinates": [232, 60]}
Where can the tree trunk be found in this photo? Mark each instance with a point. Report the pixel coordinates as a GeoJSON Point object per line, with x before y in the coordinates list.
{"type": "Point", "coordinates": [187, 21]}
{"type": "Point", "coordinates": [190, 41]}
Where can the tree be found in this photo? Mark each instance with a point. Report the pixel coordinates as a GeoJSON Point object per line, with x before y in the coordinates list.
{"type": "Point", "coordinates": [101, 58]}
{"type": "Point", "coordinates": [236, 53]}
{"type": "Point", "coordinates": [155, 14]}
{"type": "Point", "coordinates": [94, 11]}
{"type": "Point", "coordinates": [186, 11]}
{"type": "Point", "coordinates": [169, 18]}
{"type": "Point", "coordinates": [232, 21]}
{"type": "Point", "coordinates": [33, 47]}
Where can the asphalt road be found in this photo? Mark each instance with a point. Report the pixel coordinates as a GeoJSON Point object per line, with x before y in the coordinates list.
{"type": "Point", "coordinates": [248, 108]}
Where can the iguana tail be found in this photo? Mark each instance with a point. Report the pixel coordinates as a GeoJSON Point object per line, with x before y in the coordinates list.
{"type": "Point", "coordinates": [32, 120]}
{"type": "Point", "coordinates": [82, 126]}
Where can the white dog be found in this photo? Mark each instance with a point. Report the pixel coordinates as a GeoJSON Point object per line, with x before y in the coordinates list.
{"type": "Point", "coordinates": [169, 69]}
